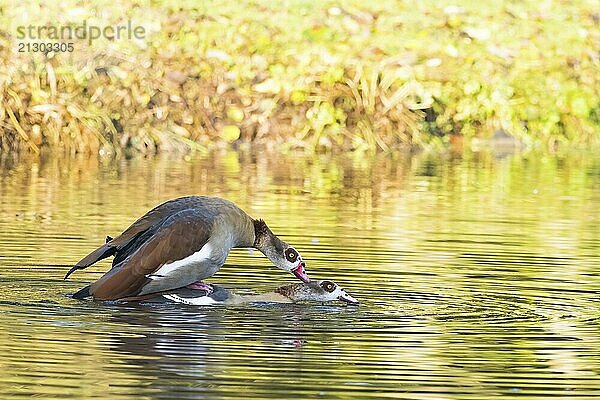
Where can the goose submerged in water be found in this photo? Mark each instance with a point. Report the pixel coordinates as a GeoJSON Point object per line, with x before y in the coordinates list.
{"type": "Point", "coordinates": [321, 291]}
{"type": "Point", "coordinates": [179, 243]}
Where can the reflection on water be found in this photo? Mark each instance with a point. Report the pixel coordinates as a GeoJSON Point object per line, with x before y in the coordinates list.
{"type": "Point", "coordinates": [477, 275]}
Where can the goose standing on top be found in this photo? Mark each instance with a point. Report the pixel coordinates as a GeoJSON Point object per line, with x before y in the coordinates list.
{"type": "Point", "coordinates": [179, 243]}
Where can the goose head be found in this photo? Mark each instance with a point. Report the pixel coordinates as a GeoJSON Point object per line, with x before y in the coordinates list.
{"type": "Point", "coordinates": [316, 291]}
{"type": "Point", "coordinates": [283, 255]}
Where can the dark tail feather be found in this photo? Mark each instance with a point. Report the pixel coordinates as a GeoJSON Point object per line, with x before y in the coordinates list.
{"type": "Point", "coordinates": [82, 294]}
{"type": "Point", "coordinates": [100, 253]}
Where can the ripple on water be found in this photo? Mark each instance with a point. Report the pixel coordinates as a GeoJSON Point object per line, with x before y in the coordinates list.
{"type": "Point", "coordinates": [463, 293]}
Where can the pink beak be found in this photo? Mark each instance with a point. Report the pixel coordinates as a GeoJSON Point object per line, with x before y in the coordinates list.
{"type": "Point", "coordinates": [345, 297]}
{"type": "Point", "coordinates": [301, 273]}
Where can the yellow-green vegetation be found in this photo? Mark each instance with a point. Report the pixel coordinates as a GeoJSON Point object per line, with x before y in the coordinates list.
{"type": "Point", "coordinates": [330, 74]}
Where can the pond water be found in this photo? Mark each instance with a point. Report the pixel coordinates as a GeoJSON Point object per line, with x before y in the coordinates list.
{"type": "Point", "coordinates": [478, 275]}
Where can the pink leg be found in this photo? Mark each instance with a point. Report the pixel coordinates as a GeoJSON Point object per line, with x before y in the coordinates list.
{"type": "Point", "coordinates": [201, 286]}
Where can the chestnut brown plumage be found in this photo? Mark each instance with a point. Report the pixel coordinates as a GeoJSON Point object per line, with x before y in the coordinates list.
{"type": "Point", "coordinates": [180, 242]}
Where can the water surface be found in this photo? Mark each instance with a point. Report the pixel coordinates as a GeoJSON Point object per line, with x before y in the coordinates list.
{"type": "Point", "coordinates": [477, 273]}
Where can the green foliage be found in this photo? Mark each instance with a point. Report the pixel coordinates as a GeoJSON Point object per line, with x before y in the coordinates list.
{"type": "Point", "coordinates": [332, 75]}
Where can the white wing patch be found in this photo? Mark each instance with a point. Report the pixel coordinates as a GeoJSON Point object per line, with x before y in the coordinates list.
{"type": "Point", "coordinates": [195, 259]}
{"type": "Point", "coordinates": [195, 301]}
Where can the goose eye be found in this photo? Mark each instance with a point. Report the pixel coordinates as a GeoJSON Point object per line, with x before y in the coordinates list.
{"type": "Point", "coordinates": [291, 255]}
{"type": "Point", "coordinates": [328, 286]}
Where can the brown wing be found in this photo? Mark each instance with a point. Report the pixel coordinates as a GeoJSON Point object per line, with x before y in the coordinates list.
{"type": "Point", "coordinates": [181, 235]}
{"type": "Point", "coordinates": [131, 239]}
{"type": "Point", "coordinates": [158, 213]}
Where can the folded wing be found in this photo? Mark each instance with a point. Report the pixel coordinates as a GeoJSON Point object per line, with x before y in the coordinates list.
{"type": "Point", "coordinates": [179, 236]}
{"type": "Point", "coordinates": [136, 235]}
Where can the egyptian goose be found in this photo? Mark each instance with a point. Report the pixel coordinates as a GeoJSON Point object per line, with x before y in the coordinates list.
{"type": "Point", "coordinates": [180, 243]}
{"type": "Point", "coordinates": [322, 291]}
